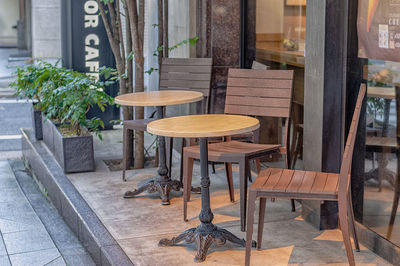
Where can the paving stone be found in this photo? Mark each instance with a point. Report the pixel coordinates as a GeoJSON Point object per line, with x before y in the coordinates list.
{"type": "Point", "coordinates": [17, 211]}
{"type": "Point", "coordinates": [8, 194]}
{"type": "Point", "coordinates": [57, 262]}
{"type": "Point", "coordinates": [64, 239]}
{"type": "Point", "coordinates": [35, 258]}
{"type": "Point", "coordinates": [3, 250]}
{"type": "Point", "coordinates": [4, 261]}
{"type": "Point", "coordinates": [17, 225]}
{"type": "Point", "coordinates": [27, 241]}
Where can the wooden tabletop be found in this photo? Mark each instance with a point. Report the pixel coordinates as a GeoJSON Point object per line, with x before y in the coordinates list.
{"type": "Point", "coordinates": [158, 98]}
{"type": "Point", "coordinates": [381, 92]}
{"type": "Point", "coordinates": [201, 126]}
{"type": "Point", "coordinates": [274, 51]}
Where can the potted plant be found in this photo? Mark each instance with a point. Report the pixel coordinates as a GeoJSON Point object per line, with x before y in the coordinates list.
{"type": "Point", "coordinates": [28, 84]}
{"type": "Point", "coordinates": [67, 97]}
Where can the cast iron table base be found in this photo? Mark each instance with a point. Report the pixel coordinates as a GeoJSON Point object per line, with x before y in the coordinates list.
{"type": "Point", "coordinates": [203, 236]}
{"type": "Point", "coordinates": [161, 184]}
{"type": "Point", "coordinates": [206, 233]}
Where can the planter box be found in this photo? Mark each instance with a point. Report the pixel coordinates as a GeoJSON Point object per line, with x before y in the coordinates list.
{"type": "Point", "coordinates": [74, 154]}
{"type": "Point", "coordinates": [37, 123]}
{"type": "Point", "coordinates": [47, 130]}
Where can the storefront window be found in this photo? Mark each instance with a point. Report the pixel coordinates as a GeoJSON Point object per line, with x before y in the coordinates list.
{"type": "Point", "coordinates": [382, 156]}
{"type": "Point", "coordinates": [280, 44]}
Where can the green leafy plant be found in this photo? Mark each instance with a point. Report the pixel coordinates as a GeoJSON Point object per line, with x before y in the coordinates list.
{"type": "Point", "coordinates": [30, 80]}
{"type": "Point", "coordinates": [70, 96]}
{"type": "Point", "coordinates": [64, 96]}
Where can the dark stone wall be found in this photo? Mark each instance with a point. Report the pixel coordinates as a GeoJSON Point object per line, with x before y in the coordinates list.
{"type": "Point", "coordinates": [219, 31]}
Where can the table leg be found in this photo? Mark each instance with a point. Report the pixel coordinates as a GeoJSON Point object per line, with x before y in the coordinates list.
{"type": "Point", "coordinates": [161, 184]}
{"type": "Point", "coordinates": [206, 233]}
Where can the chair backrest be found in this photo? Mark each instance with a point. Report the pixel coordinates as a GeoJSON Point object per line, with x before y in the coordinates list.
{"type": "Point", "coordinates": [187, 74]}
{"type": "Point", "coordinates": [261, 93]}
{"type": "Point", "coordinates": [344, 176]}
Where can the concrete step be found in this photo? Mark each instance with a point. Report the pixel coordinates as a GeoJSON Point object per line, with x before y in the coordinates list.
{"type": "Point", "coordinates": [6, 92]}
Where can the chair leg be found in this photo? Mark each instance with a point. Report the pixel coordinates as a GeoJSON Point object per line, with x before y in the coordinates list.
{"type": "Point", "coordinates": [249, 173]}
{"type": "Point", "coordinates": [187, 182]}
{"type": "Point", "coordinates": [124, 153]}
{"type": "Point", "coordinates": [243, 165]}
{"type": "Point", "coordinates": [258, 165]}
{"type": "Point", "coordinates": [296, 152]}
{"type": "Point", "coordinates": [352, 225]}
{"type": "Point", "coordinates": [293, 205]}
{"type": "Point", "coordinates": [213, 167]}
{"type": "Point", "coordinates": [228, 170]}
{"type": "Point", "coordinates": [260, 222]}
{"type": "Point", "coordinates": [250, 225]}
{"type": "Point", "coordinates": [181, 169]}
{"type": "Point", "coordinates": [344, 224]}
{"type": "Point", "coordinates": [395, 205]}
{"type": "Point", "coordinates": [169, 142]}
{"type": "Point", "coordinates": [293, 146]}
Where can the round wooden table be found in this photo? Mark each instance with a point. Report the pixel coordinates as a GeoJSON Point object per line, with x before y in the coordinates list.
{"type": "Point", "coordinates": [204, 126]}
{"type": "Point", "coordinates": [163, 184]}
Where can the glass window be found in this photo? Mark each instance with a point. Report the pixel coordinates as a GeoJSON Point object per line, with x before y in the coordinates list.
{"type": "Point", "coordinates": [382, 138]}
{"type": "Point", "coordinates": [280, 44]}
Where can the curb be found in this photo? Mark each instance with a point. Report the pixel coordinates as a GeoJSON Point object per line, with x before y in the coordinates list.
{"type": "Point", "coordinates": [102, 247]}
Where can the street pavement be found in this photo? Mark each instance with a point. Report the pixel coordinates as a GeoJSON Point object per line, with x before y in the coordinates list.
{"type": "Point", "coordinates": [23, 238]}
{"type": "Point", "coordinates": [31, 230]}
{"type": "Point", "coordinates": [14, 113]}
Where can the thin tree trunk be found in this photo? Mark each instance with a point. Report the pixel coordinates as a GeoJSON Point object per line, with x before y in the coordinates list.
{"type": "Point", "coordinates": [139, 82]}
{"type": "Point", "coordinates": [165, 30]}
{"type": "Point", "coordinates": [160, 37]}
{"type": "Point", "coordinates": [137, 31]}
{"type": "Point", "coordinates": [128, 110]}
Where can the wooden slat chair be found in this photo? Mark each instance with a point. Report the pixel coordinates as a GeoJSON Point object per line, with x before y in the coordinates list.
{"type": "Point", "coordinates": [307, 185]}
{"type": "Point", "coordinates": [249, 92]}
{"type": "Point", "coordinates": [176, 74]}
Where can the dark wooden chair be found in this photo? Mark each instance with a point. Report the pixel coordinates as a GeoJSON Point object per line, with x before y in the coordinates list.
{"type": "Point", "coordinates": [176, 74]}
{"type": "Point", "coordinates": [249, 92]}
{"type": "Point", "coordinates": [307, 185]}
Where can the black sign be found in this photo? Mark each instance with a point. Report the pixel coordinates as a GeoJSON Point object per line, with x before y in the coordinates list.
{"type": "Point", "coordinates": [85, 47]}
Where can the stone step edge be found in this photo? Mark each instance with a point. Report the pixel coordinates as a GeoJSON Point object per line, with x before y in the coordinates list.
{"type": "Point", "coordinates": [98, 241]}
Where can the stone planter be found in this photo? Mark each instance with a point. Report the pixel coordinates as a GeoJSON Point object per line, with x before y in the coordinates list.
{"type": "Point", "coordinates": [47, 130]}
{"type": "Point", "coordinates": [74, 154]}
{"type": "Point", "coordinates": [37, 123]}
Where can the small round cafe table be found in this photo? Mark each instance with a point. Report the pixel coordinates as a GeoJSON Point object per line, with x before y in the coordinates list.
{"type": "Point", "coordinates": [203, 126]}
{"type": "Point", "coordinates": [160, 99]}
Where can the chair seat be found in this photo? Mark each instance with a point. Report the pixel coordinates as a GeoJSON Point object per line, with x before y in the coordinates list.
{"type": "Point", "coordinates": [231, 149]}
{"type": "Point", "coordinates": [296, 184]}
{"type": "Point", "coordinates": [140, 124]}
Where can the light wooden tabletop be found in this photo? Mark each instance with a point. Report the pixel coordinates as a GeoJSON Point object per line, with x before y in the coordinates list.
{"type": "Point", "coordinates": [381, 92]}
{"type": "Point", "coordinates": [201, 126]}
{"type": "Point", "coordinates": [158, 98]}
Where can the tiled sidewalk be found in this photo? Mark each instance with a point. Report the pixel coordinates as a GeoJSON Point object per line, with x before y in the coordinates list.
{"type": "Point", "coordinates": [31, 230]}
{"type": "Point", "coordinates": [24, 239]}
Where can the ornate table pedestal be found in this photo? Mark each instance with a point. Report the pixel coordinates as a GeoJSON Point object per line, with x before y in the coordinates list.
{"type": "Point", "coordinates": [162, 184]}
{"type": "Point", "coordinates": [204, 126]}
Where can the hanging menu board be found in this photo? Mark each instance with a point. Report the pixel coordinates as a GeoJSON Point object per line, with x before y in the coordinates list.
{"type": "Point", "coordinates": [378, 27]}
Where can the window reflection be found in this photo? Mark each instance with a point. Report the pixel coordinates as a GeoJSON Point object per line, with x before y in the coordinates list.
{"type": "Point", "coordinates": [381, 162]}
{"type": "Point", "coordinates": [280, 44]}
